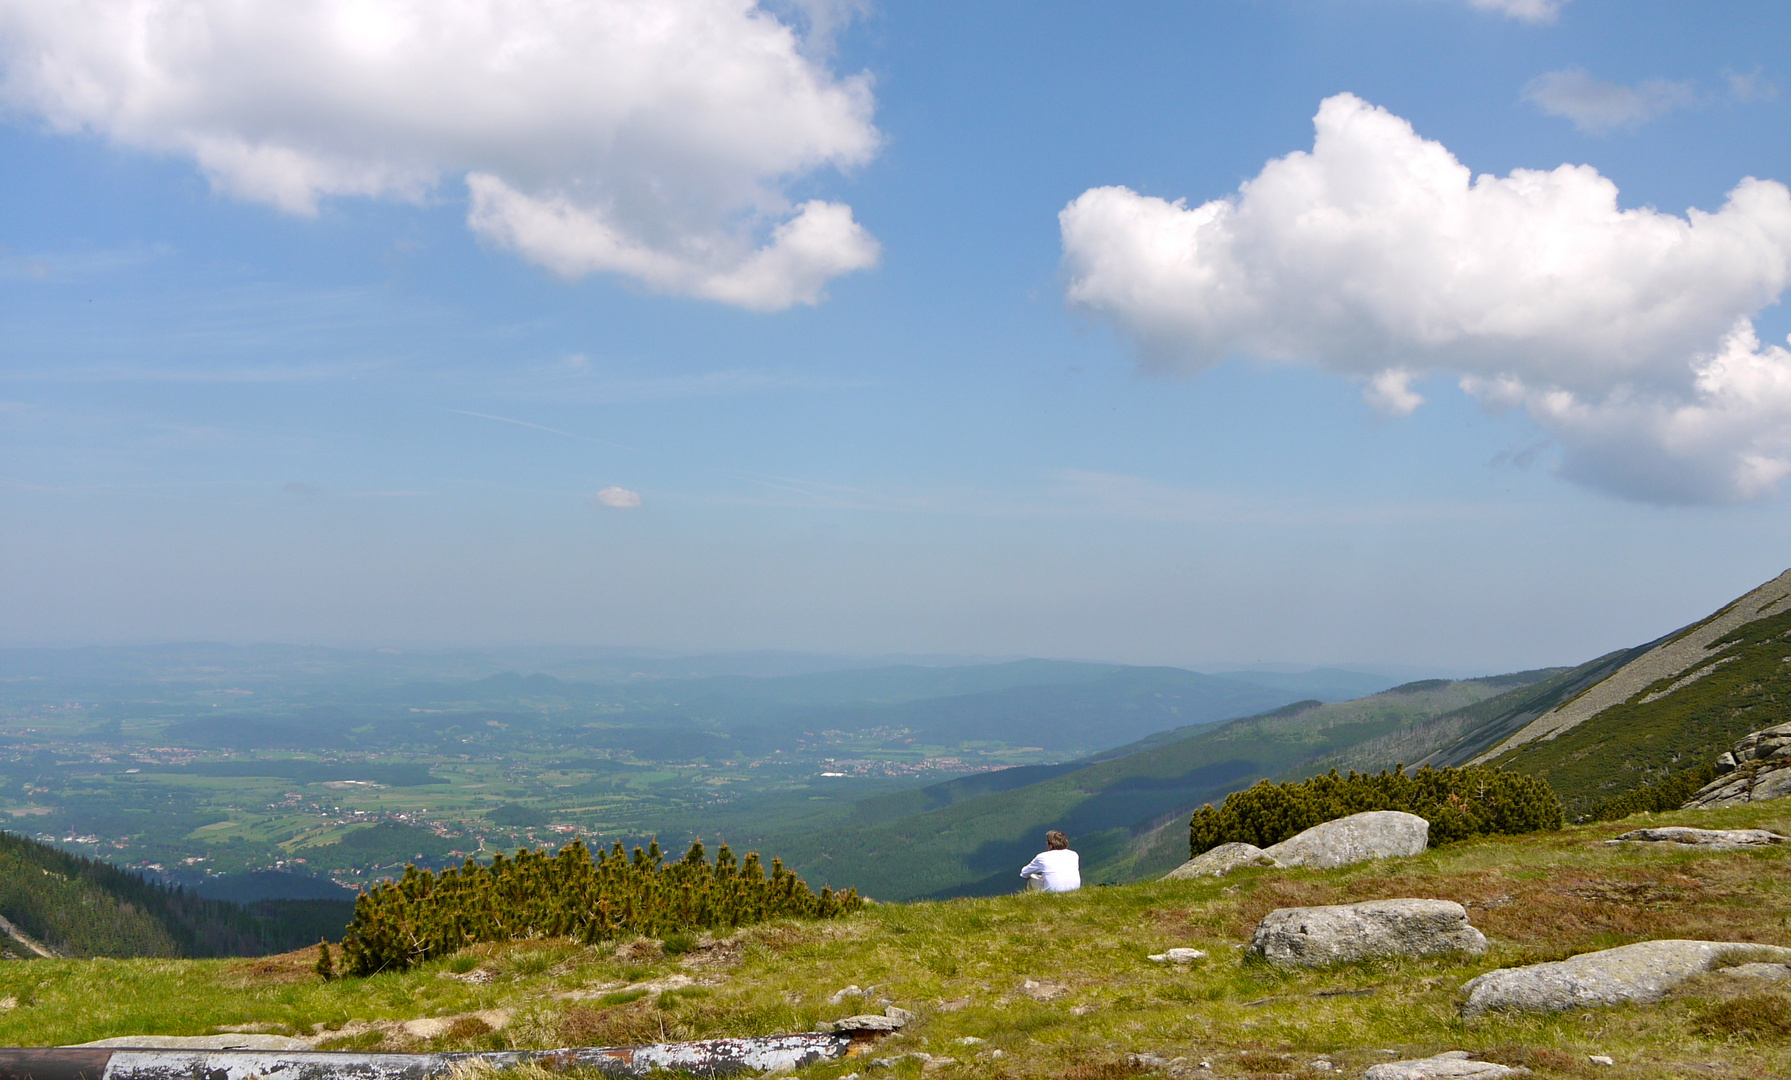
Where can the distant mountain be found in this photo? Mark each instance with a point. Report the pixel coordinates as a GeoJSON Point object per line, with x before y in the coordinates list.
{"type": "Point", "coordinates": [1111, 709]}
{"type": "Point", "coordinates": [970, 836]}
{"type": "Point", "coordinates": [65, 905]}
{"type": "Point", "coordinates": [1325, 684]}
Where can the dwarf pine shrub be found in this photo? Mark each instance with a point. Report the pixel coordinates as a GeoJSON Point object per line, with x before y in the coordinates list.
{"type": "Point", "coordinates": [1458, 803]}
{"type": "Point", "coordinates": [570, 894]}
{"type": "Point", "coordinates": [1668, 794]}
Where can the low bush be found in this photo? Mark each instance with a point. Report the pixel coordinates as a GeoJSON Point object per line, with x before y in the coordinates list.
{"type": "Point", "coordinates": [1458, 803]}
{"type": "Point", "coordinates": [1669, 794]}
{"type": "Point", "coordinates": [423, 915]}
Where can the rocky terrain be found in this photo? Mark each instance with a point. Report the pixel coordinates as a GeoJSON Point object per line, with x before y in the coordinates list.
{"type": "Point", "coordinates": [1756, 769]}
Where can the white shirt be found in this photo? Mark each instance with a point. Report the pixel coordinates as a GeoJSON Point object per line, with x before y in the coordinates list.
{"type": "Point", "coordinates": [1062, 870]}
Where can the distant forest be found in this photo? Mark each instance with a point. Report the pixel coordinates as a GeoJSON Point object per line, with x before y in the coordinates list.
{"type": "Point", "coordinates": [80, 907]}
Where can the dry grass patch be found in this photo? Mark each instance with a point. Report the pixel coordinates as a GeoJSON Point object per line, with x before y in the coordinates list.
{"type": "Point", "coordinates": [1754, 1016]}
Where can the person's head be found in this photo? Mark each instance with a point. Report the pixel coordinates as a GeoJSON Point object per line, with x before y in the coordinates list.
{"type": "Point", "coordinates": [1056, 841]}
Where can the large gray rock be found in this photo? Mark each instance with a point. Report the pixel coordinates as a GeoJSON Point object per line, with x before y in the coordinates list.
{"type": "Point", "coordinates": [1713, 838]}
{"type": "Point", "coordinates": [1377, 834]}
{"type": "Point", "coordinates": [1755, 769]}
{"type": "Point", "coordinates": [1221, 860]}
{"type": "Point", "coordinates": [1454, 1065]}
{"type": "Point", "coordinates": [1643, 972]}
{"type": "Point", "coordinates": [203, 1042]}
{"type": "Point", "coordinates": [1326, 935]}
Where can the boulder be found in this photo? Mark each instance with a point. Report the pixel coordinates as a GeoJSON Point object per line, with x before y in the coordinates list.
{"type": "Point", "coordinates": [1755, 769]}
{"type": "Point", "coordinates": [1221, 860]}
{"type": "Point", "coordinates": [203, 1042]}
{"type": "Point", "coordinates": [1642, 972]}
{"type": "Point", "coordinates": [1377, 834]}
{"type": "Point", "coordinates": [1326, 935]}
{"type": "Point", "coordinates": [1454, 1065]}
{"type": "Point", "coordinates": [1713, 838]}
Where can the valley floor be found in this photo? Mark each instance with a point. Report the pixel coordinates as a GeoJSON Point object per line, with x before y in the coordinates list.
{"type": "Point", "coordinates": [1052, 985]}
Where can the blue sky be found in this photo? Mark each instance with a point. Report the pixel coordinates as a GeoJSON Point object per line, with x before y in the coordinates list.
{"type": "Point", "coordinates": [305, 350]}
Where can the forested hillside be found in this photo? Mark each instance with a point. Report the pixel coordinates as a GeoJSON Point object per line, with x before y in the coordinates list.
{"type": "Point", "coordinates": [72, 906]}
{"type": "Point", "coordinates": [970, 836]}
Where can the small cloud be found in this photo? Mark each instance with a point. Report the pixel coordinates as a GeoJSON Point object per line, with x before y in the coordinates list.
{"type": "Point", "coordinates": [1598, 107]}
{"type": "Point", "coordinates": [1530, 11]}
{"type": "Point", "coordinates": [1751, 87]}
{"type": "Point", "coordinates": [1390, 393]}
{"type": "Point", "coordinates": [299, 487]}
{"type": "Point", "coordinates": [617, 498]}
{"type": "Point", "coordinates": [1522, 458]}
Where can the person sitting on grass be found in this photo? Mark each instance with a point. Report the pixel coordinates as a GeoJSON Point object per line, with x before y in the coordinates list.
{"type": "Point", "coordinates": [1057, 868]}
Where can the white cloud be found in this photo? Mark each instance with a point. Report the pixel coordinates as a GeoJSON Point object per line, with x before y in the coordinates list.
{"type": "Point", "coordinates": [617, 498]}
{"type": "Point", "coordinates": [1625, 333]}
{"type": "Point", "coordinates": [1599, 107]}
{"type": "Point", "coordinates": [1390, 393]}
{"type": "Point", "coordinates": [1535, 11]}
{"type": "Point", "coordinates": [649, 138]}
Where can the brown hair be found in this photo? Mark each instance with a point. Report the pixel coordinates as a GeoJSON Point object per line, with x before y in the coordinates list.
{"type": "Point", "coordinates": [1056, 841]}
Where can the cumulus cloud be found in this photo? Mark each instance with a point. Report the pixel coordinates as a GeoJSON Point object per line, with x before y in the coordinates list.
{"type": "Point", "coordinates": [655, 139]}
{"type": "Point", "coordinates": [1534, 11]}
{"type": "Point", "coordinates": [617, 498]}
{"type": "Point", "coordinates": [1626, 334]}
{"type": "Point", "coordinates": [1598, 108]}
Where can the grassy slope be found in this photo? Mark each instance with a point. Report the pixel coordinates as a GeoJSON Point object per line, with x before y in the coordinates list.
{"type": "Point", "coordinates": [975, 846]}
{"type": "Point", "coordinates": [960, 966]}
{"type": "Point", "coordinates": [1747, 688]}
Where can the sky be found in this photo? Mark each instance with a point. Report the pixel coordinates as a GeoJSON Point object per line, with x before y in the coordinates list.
{"type": "Point", "coordinates": [1443, 334]}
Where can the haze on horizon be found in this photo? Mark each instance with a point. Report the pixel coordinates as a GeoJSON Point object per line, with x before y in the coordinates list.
{"type": "Point", "coordinates": [1441, 334]}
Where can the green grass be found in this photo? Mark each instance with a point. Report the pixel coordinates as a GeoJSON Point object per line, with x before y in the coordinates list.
{"type": "Point", "coordinates": [961, 966]}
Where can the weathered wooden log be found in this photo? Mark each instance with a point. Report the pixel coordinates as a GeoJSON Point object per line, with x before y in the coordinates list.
{"type": "Point", "coordinates": [714, 1057]}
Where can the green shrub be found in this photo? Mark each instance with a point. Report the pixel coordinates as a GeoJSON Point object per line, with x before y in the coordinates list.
{"type": "Point", "coordinates": [1458, 803]}
{"type": "Point", "coordinates": [1669, 794]}
{"type": "Point", "coordinates": [570, 894]}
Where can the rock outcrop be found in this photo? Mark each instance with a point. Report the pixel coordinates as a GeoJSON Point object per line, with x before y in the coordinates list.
{"type": "Point", "coordinates": [1642, 972]}
{"type": "Point", "coordinates": [1755, 769]}
{"type": "Point", "coordinates": [1314, 936]}
{"type": "Point", "coordinates": [1712, 838]}
{"type": "Point", "coordinates": [1454, 1065]}
{"type": "Point", "coordinates": [1377, 834]}
{"type": "Point", "coordinates": [1221, 860]}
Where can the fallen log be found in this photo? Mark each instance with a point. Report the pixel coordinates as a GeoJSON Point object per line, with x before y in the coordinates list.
{"type": "Point", "coordinates": [713, 1057]}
